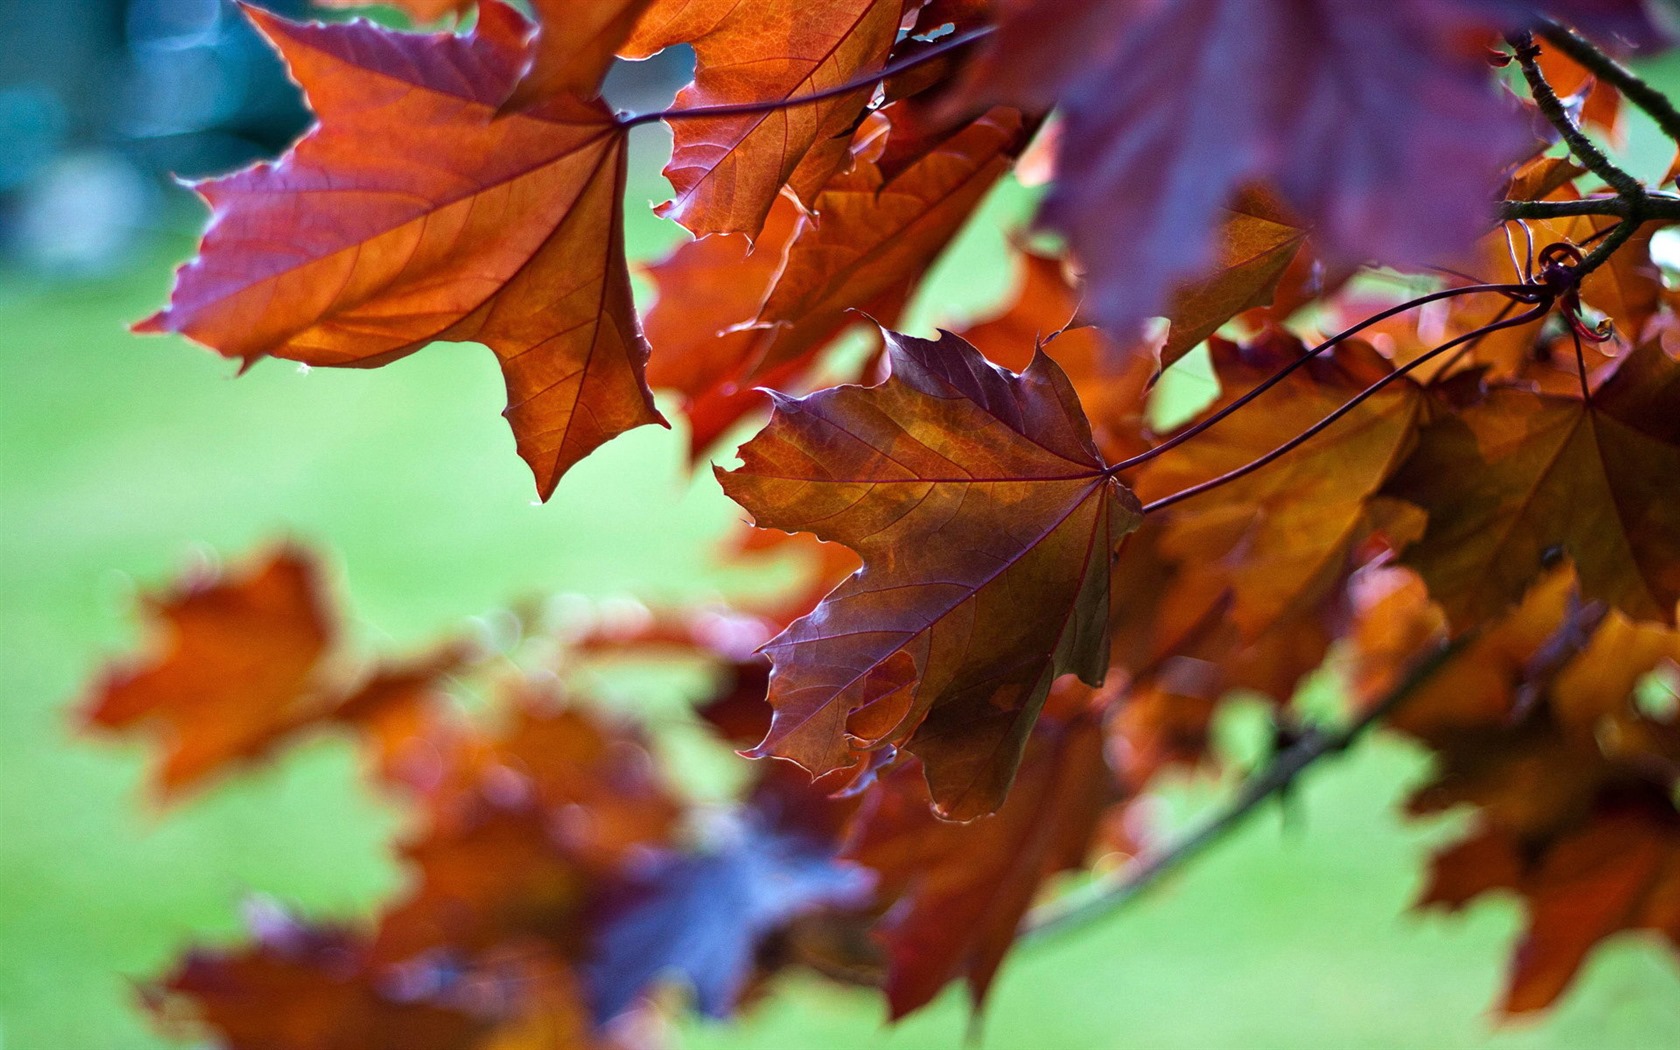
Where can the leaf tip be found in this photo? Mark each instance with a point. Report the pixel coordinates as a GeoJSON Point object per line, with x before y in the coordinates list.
{"type": "Point", "coordinates": [156, 324]}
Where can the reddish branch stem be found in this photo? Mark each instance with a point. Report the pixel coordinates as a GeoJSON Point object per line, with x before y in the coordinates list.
{"type": "Point", "coordinates": [1517, 293]}
{"type": "Point", "coordinates": [747, 109]}
{"type": "Point", "coordinates": [1540, 310]}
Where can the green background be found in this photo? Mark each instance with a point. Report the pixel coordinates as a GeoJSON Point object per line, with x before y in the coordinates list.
{"type": "Point", "coordinates": [124, 459]}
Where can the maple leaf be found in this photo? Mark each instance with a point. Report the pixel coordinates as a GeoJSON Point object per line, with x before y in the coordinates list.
{"type": "Point", "coordinates": [729, 315]}
{"type": "Point", "coordinates": [1362, 116]}
{"type": "Point", "coordinates": [1541, 176]}
{"type": "Point", "coordinates": [1535, 725]}
{"type": "Point", "coordinates": [706, 291]}
{"type": "Point", "coordinates": [1256, 247]}
{"type": "Point", "coordinates": [1619, 871]}
{"type": "Point", "coordinates": [521, 828]}
{"type": "Point", "coordinates": [1177, 652]}
{"type": "Point", "coordinates": [304, 987]}
{"type": "Point", "coordinates": [1535, 714]}
{"type": "Point", "coordinates": [1598, 105]}
{"type": "Point", "coordinates": [958, 892]}
{"type": "Point", "coordinates": [241, 656]}
{"type": "Point", "coordinates": [1519, 478]}
{"type": "Point", "coordinates": [874, 236]}
{"type": "Point", "coordinates": [576, 42]}
{"type": "Point", "coordinates": [553, 755]}
{"type": "Point", "coordinates": [727, 170]}
{"type": "Point", "coordinates": [986, 524]}
{"type": "Point", "coordinates": [1395, 620]}
{"type": "Point", "coordinates": [409, 215]}
{"type": "Point", "coordinates": [247, 664]}
{"type": "Point", "coordinates": [1253, 247]}
{"type": "Point", "coordinates": [1043, 314]}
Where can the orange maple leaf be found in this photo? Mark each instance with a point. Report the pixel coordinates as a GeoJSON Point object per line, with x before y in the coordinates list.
{"type": "Point", "coordinates": [409, 215]}
{"type": "Point", "coordinates": [576, 44]}
{"type": "Point", "coordinates": [1282, 539]}
{"type": "Point", "coordinates": [732, 314]}
{"type": "Point", "coordinates": [247, 663]}
{"type": "Point", "coordinates": [238, 655]}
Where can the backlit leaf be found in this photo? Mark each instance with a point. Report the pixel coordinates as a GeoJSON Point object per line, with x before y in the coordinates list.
{"type": "Point", "coordinates": [986, 525]}
{"type": "Point", "coordinates": [409, 215]}
{"type": "Point", "coordinates": [1520, 479]}
{"type": "Point", "coordinates": [576, 43]}
{"type": "Point", "coordinates": [1284, 537]}
{"type": "Point", "coordinates": [241, 658]}
{"type": "Point", "coordinates": [726, 171]}
{"type": "Point", "coordinates": [1171, 109]}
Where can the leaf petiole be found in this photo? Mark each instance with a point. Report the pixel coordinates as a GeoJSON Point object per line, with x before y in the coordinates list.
{"type": "Point", "coordinates": [1539, 310]}
{"type": "Point", "coordinates": [1522, 293]}
{"type": "Point", "coordinates": [747, 109]}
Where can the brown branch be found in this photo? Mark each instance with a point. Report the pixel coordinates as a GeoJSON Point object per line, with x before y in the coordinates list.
{"type": "Point", "coordinates": [1527, 53]}
{"type": "Point", "coordinates": [1629, 191]}
{"type": "Point", "coordinates": [1284, 769]}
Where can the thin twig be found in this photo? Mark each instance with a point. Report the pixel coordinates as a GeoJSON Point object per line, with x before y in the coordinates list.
{"type": "Point", "coordinates": [1283, 770]}
{"type": "Point", "coordinates": [1588, 55]}
{"type": "Point", "coordinates": [1586, 151]}
{"type": "Point", "coordinates": [747, 109]}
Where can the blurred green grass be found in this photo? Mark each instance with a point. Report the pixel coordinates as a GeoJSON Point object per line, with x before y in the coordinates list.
{"type": "Point", "coordinates": [120, 457]}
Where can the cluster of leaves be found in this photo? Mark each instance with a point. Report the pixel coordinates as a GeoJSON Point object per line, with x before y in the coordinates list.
{"type": "Point", "coordinates": [1051, 605]}
{"type": "Point", "coordinates": [558, 878]}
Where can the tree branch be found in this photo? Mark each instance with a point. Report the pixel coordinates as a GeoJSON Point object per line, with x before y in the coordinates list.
{"type": "Point", "coordinates": [1111, 895]}
{"type": "Point", "coordinates": [1527, 53]}
{"type": "Point", "coordinates": [1635, 90]}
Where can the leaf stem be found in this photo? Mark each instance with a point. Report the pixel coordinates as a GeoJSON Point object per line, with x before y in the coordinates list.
{"type": "Point", "coordinates": [1540, 310]}
{"type": "Point", "coordinates": [1518, 293]}
{"type": "Point", "coordinates": [746, 109]}
{"type": "Point", "coordinates": [1504, 312]}
{"type": "Point", "coordinates": [1283, 770]}
{"type": "Point", "coordinates": [1589, 56]}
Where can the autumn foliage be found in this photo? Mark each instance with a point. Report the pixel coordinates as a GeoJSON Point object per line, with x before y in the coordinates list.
{"type": "Point", "coordinates": [1034, 595]}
